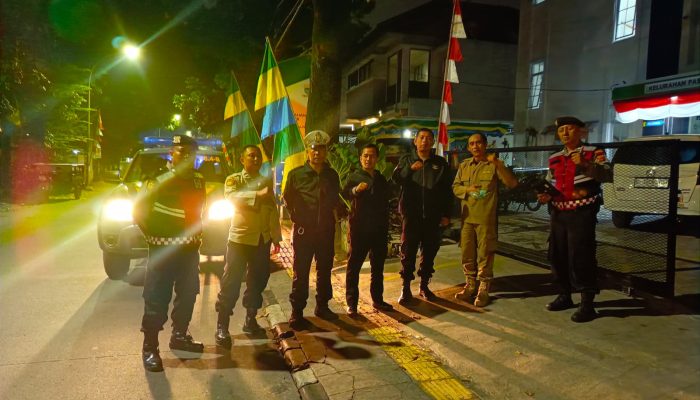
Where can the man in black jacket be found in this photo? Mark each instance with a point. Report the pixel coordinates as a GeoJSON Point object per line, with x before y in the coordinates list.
{"type": "Point", "coordinates": [426, 195]}
{"type": "Point", "coordinates": [311, 195]}
{"type": "Point", "coordinates": [169, 212]}
{"type": "Point", "coordinates": [369, 193]}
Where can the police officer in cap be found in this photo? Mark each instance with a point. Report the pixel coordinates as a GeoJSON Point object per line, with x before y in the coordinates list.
{"type": "Point", "coordinates": [311, 195]}
{"type": "Point", "coordinates": [576, 172]}
{"type": "Point", "coordinates": [169, 212]}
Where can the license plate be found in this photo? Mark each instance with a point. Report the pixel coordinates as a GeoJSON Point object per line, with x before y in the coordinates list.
{"type": "Point", "coordinates": [651, 183]}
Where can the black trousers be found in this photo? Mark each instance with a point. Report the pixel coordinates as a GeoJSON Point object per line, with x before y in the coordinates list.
{"type": "Point", "coordinates": [423, 233]}
{"type": "Point", "coordinates": [362, 242]}
{"type": "Point", "coordinates": [170, 268]}
{"type": "Point", "coordinates": [572, 248]}
{"type": "Point", "coordinates": [254, 262]}
{"type": "Point", "coordinates": [307, 246]}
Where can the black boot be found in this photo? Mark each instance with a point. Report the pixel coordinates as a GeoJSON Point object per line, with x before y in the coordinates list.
{"type": "Point", "coordinates": [251, 324]}
{"type": "Point", "coordinates": [562, 302]}
{"type": "Point", "coordinates": [182, 340]}
{"type": "Point", "coordinates": [406, 295]}
{"type": "Point", "coordinates": [585, 312]}
{"type": "Point", "coordinates": [425, 291]}
{"type": "Point", "coordinates": [322, 311]}
{"type": "Point", "coordinates": [298, 322]}
{"type": "Point", "coordinates": [222, 337]}
{"type": "Point", "coordinates": [150, 354]}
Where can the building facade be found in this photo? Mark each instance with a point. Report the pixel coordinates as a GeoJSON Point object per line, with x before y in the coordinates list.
{"type": "Point", "coordinates": [399, 72]}
{"type": "Point", "coordinates": [590, 57]}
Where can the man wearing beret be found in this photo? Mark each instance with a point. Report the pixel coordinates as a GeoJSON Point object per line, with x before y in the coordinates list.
{"type": "Point", "coordinates": [424, 204]}
{"type": "Point", "coordinates": [169, 212]}
{"type": "Point", "coordinates": [311, 196]}
{"type": "Point", "coordinates": [576, 172]}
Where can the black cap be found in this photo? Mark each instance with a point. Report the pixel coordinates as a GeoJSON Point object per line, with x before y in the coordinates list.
{"type": "Point", "coordinates": [561, 121]}
{"type": "Point", "coordinates": [184, 140]}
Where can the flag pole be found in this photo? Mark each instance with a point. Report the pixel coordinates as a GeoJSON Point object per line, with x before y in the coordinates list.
{"type": "Point", "coordinates": [440, 150]}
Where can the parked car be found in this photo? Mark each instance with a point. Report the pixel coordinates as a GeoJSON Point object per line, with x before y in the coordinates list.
{"type": "Point", "coordinates": [39, 181]}
{"type": "Point", "coordinates": [641, 179]}
{"type": "Point", "coordinates": [121, 239]}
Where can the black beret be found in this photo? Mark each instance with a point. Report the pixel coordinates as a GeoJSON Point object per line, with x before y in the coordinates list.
{"type": "Point", "coordinates": [561, 121]}
{"type": "Point", "coordinates": [184, 140]}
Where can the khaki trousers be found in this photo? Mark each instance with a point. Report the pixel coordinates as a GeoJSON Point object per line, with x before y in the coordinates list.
{"type": "Point", "coordinates": [478, 243]}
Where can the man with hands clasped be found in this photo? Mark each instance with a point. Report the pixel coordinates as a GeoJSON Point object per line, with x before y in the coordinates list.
{"type": "Point", "coordinates": [369, 194]}
{"type": "Point", "coordinates": [476, 184]}
{"type": "Point", "coordinates": [424, 205]}
{"type": "Point", "coordinates": [254, 227]}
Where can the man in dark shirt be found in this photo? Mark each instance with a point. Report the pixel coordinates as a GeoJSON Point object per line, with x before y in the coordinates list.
{"type": "Point", "coordinates": [311, 195]}
{"type": "Point", "coordinates": [369, 228]}
{"type": "Point", "coordinates": [426, 196]}
{"type": "Point", "coordinates": [169, 212]}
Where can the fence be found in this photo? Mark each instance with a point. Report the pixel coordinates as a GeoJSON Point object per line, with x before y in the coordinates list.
{"type": "Point", "coordinates": [636, 232]}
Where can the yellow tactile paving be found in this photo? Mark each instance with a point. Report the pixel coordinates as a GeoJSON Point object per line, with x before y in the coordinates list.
{"type": "Point", "coordinates": [420, 364]}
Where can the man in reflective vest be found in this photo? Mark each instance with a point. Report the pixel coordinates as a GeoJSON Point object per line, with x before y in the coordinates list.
{"type": "Point", "coordinates": [575, 173]}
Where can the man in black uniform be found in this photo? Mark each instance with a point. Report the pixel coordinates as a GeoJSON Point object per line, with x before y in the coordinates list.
{"type": "Point", "coordinates": [169, 212]}
{"type": "Point", "coordinates": [426, 196]}
{"type": "Point", "coordinates": [576, 172]}
{"type": "Point", "coordinates": [311, 195]}
{"type": "Point", "coordinates": [369, 192]}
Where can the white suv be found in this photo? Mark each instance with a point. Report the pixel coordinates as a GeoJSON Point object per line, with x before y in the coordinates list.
{"type": "Point", "coordinates": [641, 179]}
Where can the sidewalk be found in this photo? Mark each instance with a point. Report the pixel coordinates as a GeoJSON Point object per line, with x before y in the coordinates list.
{"type": "Point", "coordinates": [512, 349]}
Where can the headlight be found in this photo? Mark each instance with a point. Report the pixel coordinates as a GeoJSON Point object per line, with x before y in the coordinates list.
{"type": "Point", "coordinates": [118, 210]}
{"type": "Point", "coordinates": [220, 210]}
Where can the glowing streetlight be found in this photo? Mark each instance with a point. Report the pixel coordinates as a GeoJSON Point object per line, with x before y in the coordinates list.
{"type": "Point", "coordinates": [131, 52]}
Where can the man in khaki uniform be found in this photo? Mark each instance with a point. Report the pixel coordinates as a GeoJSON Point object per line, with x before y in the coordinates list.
{"type": "Point", "coordinates": [477, 186]}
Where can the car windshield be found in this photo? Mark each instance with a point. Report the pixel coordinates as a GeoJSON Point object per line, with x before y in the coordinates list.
{"type": "Point", "coordinates": [147, 165]}
{"type": "Point", "coordinates": [657, 155]}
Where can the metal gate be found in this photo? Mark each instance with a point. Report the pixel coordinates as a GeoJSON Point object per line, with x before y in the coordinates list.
{"type": "Point", "coordinates": [636, 232]}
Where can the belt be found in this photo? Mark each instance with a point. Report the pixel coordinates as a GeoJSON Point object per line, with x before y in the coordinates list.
{"type": "Point", "coordinates": [573, 204]}
{"type": "Point", "coordinates": [178, 240]}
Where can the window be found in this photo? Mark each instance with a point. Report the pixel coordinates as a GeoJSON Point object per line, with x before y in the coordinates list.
{"type": "Point", "coordinates": [419, 67]}
{"type": "Point", "coordinates": [360, 75]}
{"type": "Point", "coordinates": [626, 18]}
{"type": "Point", "coordinates": [536, 2]}
{"type": "Point", "coordinates": [536, 75]}
{"type": "Point", "coordinates": [393, 79]}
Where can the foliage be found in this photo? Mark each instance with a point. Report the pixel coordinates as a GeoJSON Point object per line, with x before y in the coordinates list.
{"type": "Point", "coordinates": [198, 106]}
{"type": "Point", "coordinates": [344, 157]}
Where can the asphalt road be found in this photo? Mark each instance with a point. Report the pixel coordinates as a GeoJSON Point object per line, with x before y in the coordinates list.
{"type": "Point", "coordinates": [68, 332]}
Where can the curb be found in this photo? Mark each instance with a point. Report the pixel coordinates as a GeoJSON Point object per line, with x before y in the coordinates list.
{"type": "Point", "coordinates": [288, 345]}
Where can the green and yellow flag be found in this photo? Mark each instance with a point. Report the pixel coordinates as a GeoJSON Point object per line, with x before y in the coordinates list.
{"type": "Point", "coordinates": [279, 119]}
{"type": "Point", "coordinates": [242, 126]}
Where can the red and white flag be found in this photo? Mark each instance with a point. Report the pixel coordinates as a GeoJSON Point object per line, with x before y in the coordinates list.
{"type": "Point", "coordinates": [454, 54]}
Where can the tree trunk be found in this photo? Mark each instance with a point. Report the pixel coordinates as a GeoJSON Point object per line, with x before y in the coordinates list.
{"type": "Point", "coordinates": [324, 99]}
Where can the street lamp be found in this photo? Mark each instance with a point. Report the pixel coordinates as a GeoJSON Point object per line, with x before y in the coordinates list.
{"type": "Point", "coordinates": [129, 51]}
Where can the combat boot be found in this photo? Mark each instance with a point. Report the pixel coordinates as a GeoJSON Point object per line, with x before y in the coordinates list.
{"type": "Point", "coordinates": [482, 296]}
{"type": "Point", "coordinates": [322, 311]}
{"type": "Point", "coordinates": [251, 324]}
{"type": "Point", "coordinates": [585, 312]}
{"type": "Point", "coordinates": [406, 297]}
{"type": "Point", "coordinates": [298, 322]}
{"type": "Point", "coordinates": [182, 340]}
{"type": "Point", "coordinates": [467, 294]}
{"type": "Point", "coordinates": [561, 303]}
{"type": "Point", "coordinates": [425, 291]}
{"type": "Point", "coordinates": [150, 354]}
{"type": "Point", "coordinates": [222, 337]}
